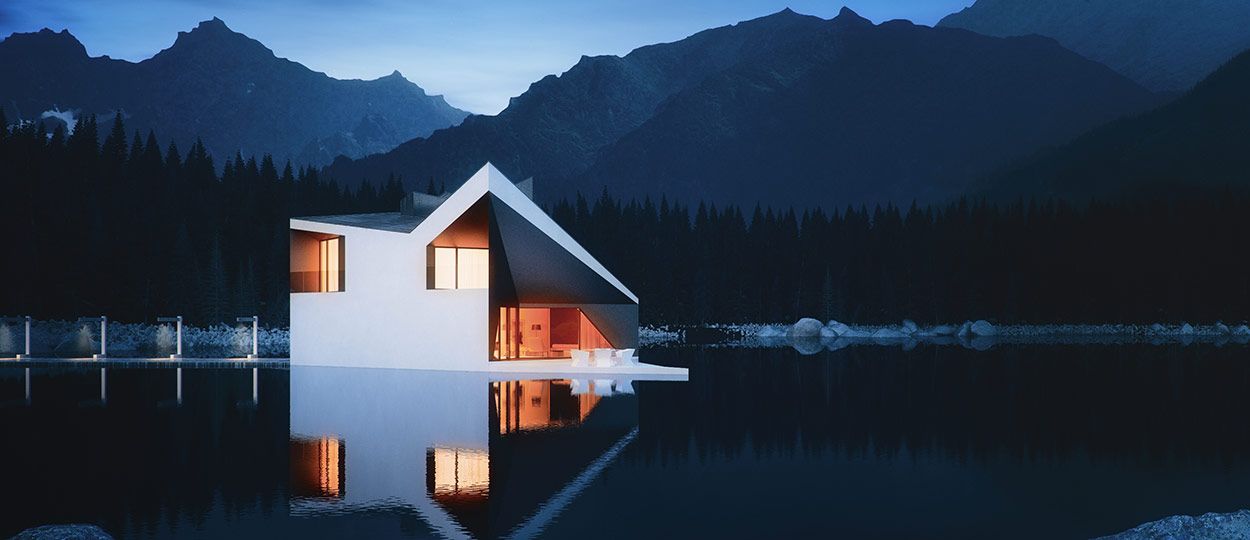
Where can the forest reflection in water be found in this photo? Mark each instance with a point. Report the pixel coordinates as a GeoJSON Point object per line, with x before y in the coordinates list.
{"type": "Point", "coordinates": [1023, 441]}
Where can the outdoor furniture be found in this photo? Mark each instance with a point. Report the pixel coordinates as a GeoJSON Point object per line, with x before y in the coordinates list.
{"type": "Point", "coordinates": [603, 387]}
{"type": "Point", "coordinates": [626, 357]}
{"type": "Point", "coordinates": [624, 386]}
{"type": "Point", "coordinates": [578, 387]}
{"type": "Point", "coordinates": [580, 358]}
{"type": "Point", "coordinates": [603, 357]}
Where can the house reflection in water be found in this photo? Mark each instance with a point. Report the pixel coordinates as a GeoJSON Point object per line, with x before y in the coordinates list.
{"type": "Point", "coordinates": [317, 467]}
{"type": "Point", "coordinates": [458, 479]}
{"type": "Point", "coordinates": [529, 405]}
{"type": "Point", "coordinates": [472, 456]}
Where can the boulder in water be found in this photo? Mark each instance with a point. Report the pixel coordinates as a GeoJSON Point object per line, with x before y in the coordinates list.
{"type": "Point", "coordinates": [1157, 328]}
{"type": "Point", "coordinates": [965, 330]}
{"type": "Point", "coordinates": [941, 330]}
{"type": "Point", "coordinates": [983, 328]}
{"type": "Point", "coordinates": [1187, 330]}
{"type": "Point", "coordinates": [909, 327]}
{"type": "Point", "coordinates": [1221, 328]}
{"type": "Point", "coordinates": [807, 345]}
{"type": "Point", "coordinates": [835, 329]}
{"type": "Point", "coordinates": [1241, 330]}
{"type": "Point", "coordinates": [806, 327]}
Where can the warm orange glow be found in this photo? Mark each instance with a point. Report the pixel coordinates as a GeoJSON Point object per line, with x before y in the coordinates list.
{"type": "Point", "coordinates": [544, 332]}
{"type": "Point", "coordinates": [331, 264]}
{"type": "Point", "coordinates": [444, 268]}
{"type": "Point", "coordinates": [460, 268]}
{"type": "Point", "coordinates": [460, 472]}
{"type": "Point", "coordinates": [317, 467]}
{"type": "Point", "coordinates": [531, 405]}
{"type": "Point", "coordinates": [316, 262]}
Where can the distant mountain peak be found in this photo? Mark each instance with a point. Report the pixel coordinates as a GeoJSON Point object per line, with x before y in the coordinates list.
{"type": "Point", "coordinates": [47, 41]}
{"type": "Point", "coordinates": [216, 39]}
{"type": "Point", "coordinates": [212, 25]}
{"type": "Point", "coordinates": [848, 18]}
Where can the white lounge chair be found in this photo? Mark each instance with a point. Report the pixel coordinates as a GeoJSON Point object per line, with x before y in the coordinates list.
{"type": "Point", "coordinates": [603, 387]}
{"type": "Point", "coordinates": [626, 357]}
{"type": "Point", "coordinates": [624, 386]}
{"type": "Point", "coordinates": [603, 357]}
{"type": "Point", "coordinates": [578, 387]}
{"type": "Point", "coordinates": [580, 358]}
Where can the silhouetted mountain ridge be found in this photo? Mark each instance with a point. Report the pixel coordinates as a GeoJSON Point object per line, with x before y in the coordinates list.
{"type": "Point", "coordinates": [221, 86]}
{"type": "Point", "coordinates": [1201, 141]}
{"type": "Point", "coordinates": [783, 109]}
{"type": "Point", "coordinates": [1166, 45]}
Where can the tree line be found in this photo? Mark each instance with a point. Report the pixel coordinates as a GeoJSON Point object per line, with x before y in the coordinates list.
{"type": "Point", "coordinates": [124, 226]}
{"type": "Point", "coordinates": [117, 224]}
{"type": "Point", "coordinates": [1181, 257]}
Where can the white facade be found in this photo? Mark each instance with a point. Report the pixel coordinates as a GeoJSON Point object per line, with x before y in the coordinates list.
{"type": "Point", "coordinates": [385, 316]}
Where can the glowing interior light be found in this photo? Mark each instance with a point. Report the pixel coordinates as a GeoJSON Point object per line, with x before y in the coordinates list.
{"type": "Point", "coordinates": [460, 470]}
{"type": "Point", "coordinates": [444, 268]}
{"type": "Point", "coordinates": [472, 268]}
{"type": "Point", "coordinates": [331, 265]}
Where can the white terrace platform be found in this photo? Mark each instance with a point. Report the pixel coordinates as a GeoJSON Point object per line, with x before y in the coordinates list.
{"type": "Point", "coordinates": [563, 368]}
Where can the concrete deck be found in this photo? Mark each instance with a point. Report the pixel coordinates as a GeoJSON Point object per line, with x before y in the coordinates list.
{"type": "Point", "coordinates": [148, 363]}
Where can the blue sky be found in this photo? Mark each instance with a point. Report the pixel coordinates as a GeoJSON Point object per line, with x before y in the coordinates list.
{"type": "Point", "coordinates": [477, 53]}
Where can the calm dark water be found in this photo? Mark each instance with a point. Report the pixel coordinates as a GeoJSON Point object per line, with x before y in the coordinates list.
{"type": "Point", "coordinates": [868, 442]}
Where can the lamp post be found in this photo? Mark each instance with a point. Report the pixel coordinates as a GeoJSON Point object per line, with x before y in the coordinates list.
{"type": "Point", "coordinates": [255, 340]}
{"type": "Point", "coordinates": [26, 321]}
{"type": "Point", "coordinates": [178, 322]}
{"type": "Point", "coordinates": [104, 337]}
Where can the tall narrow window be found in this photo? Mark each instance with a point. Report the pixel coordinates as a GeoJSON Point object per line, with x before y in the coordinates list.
{"type": "Point", "coordinates": [332, 264]}
{"type": "Point", "coordinates": [444, 268]}
{"type": "Point", "coordinates": [472, 268]}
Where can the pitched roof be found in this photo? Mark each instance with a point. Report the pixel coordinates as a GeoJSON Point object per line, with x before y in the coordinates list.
{"type": "Point", "coordinates": [488, 179]}
{"type": "Point", "coordinates": [382, 221]}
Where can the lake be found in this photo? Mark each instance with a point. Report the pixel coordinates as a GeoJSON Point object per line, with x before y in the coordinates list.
{"type": "Point", "coordinates": [865, 442]}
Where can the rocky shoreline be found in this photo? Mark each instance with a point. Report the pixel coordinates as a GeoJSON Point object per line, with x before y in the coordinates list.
{"type": "Point", "coordinates": [810, 335]}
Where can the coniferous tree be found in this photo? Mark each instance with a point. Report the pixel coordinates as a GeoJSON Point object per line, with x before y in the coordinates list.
{"type": "Point", "coordinates": [214, 297]}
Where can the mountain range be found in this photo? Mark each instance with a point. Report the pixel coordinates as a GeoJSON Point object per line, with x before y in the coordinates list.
{"type": "Point", "coordinates": [1166, 45]}
{"type": "Point", "coordinates": [1200, 141]}
{"type": "Point", "coordinates": [786, 109]}
{"type": "Point", "coordinates": [222, 87]}
{"type": "Point", "coordinates": [1006, 98]}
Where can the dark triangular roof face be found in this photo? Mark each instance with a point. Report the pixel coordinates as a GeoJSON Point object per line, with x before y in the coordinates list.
{"type": "Point", "coordinates": [540, 269]}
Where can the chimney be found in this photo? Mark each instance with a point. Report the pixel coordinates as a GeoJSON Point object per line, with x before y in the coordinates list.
{"type": "Point", "coordinates": [420, 204]}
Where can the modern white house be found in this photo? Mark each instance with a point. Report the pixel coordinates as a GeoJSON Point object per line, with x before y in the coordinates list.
{"type": "Point", "coordinates": [470, 280]}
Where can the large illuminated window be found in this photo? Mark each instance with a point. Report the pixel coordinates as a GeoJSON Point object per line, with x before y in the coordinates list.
{"type": "Point", "coordinates": [458, 268]}
{"type": "Point", "coordinates": [545, 332]}
{"type": "Point", "coordinates": [316, 262]}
